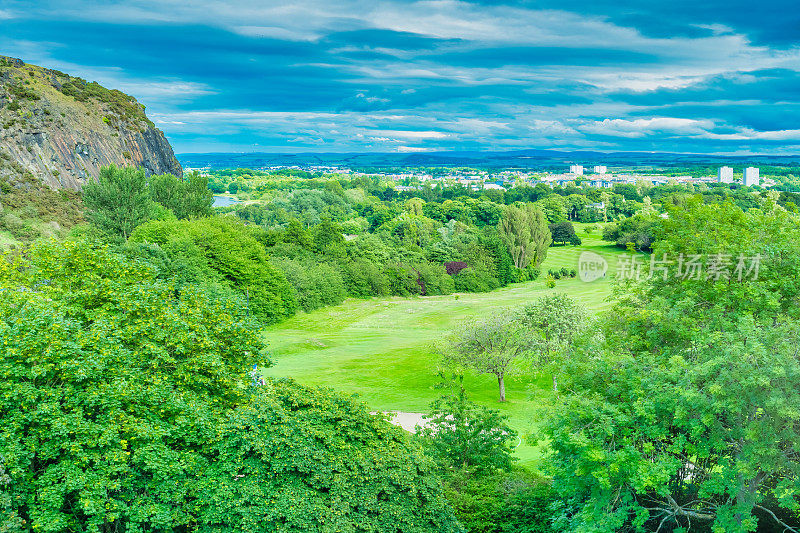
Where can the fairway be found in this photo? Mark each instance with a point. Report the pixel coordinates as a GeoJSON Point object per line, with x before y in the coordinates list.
{"type": "Point", "coordinates": [380, 348]}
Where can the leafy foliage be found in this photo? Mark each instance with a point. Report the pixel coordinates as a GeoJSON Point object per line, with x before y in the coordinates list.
{"type": "Point", "coordinates": [469, 437]}
{"type": "Point", "coordinates": [127, 406]}
{"type": "Point", "coordinates": [687, 418]}
{"type": "Point", "coordinates": [526, 234]}
{"type": "Point", "coordinates": [186, 198]}
{"type": "Point", "coordinates": [300, 459]}
{"type": "Point", "coordinates": [234, 255]}
{"type": "Point", "coordinates": [110, 385]}
{"type": "Point", "coordinates": [118, 201]}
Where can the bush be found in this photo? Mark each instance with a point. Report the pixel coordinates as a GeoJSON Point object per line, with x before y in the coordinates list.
{"type": "Point", "coordinates": [402, 279]}
{"type": "Point", "coordinates": [550, 281]}
{"type": "Point", "coordinates": [363, 279]}
{"type": "Point", "coordinates": [575, 240]}
{"type": "Point", "coordinates": [433, 279]}
{"type": "Point", "coordinates": [296, 458]}
{"type": "Point", "coordinates": [234, 255]}
{"type": "Point", "coordinates": [315, 285]}
{"type": "Point", "coordinates": [475, 280]}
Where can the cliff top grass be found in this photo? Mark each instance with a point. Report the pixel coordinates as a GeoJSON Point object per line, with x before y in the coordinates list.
{"type": "Point", "coordinates": [24, 82]}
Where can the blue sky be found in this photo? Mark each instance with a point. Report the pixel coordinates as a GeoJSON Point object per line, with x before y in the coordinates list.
{"type": "Point", "coordinates": [395, 76]}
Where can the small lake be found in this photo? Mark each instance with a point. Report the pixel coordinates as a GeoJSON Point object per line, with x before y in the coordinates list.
{"type": "Point", "coordinates": [224, 201]}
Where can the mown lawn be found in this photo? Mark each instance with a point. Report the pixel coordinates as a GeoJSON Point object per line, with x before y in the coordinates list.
{"type": "Point", "coordinates": [380, 348]}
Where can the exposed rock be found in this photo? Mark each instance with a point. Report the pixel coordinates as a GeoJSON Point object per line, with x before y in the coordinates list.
{"type": "Point", "coordinates": [62, 129]}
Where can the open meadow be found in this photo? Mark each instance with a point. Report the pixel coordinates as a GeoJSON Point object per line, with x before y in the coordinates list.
{"type": "Point", "coordinates": [381, 348]}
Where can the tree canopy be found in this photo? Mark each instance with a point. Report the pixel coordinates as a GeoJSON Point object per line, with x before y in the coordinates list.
{"type": "Point", "coordinates": [687, 416]}
{"type": "Point", "coordinates": [127, 405]}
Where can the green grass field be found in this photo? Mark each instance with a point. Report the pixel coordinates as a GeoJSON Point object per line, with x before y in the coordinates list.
{"type": "Point", "coordinates": [380, 348]}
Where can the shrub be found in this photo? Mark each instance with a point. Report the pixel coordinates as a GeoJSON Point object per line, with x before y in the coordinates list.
{"type": "Point", "coordinates": [454, 267]}
{"type": "Point", "coordinates": [475, 280]}
{"type": "Point", "coordinates": [296, 458]}
{"type": "Point", "coordinates": [234, 255]}
{"type": "Point", "coordinates": [363, 279]}
{"type": "Point", "coordinates": [315, 285]}
{"type": "Point", "coordinates": [402, 279]}
{"type": "Point", "coordinates": [550, 281]}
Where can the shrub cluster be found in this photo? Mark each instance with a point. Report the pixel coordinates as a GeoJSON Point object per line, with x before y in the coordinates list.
{"type": "Point", "coordinates": [563, 272]}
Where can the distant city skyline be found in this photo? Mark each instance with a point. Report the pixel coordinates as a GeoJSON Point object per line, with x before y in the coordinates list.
{"type": "Point", "coordinates": [396, 76]}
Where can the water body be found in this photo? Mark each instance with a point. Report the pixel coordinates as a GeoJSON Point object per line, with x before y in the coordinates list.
{"type": "Point", "coordinates": [224, 201]}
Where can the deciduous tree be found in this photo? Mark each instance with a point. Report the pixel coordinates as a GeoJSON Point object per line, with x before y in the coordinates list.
{"type": "Point", "coordinates": [118, 201]}
{"type": "Point", "coordinates": [525, 232]}
{"type": "Point", "coordinates": [488, 346]}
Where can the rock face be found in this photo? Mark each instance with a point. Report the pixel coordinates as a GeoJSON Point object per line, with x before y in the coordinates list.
{"type": "Point", "coordinates": [63, 129]}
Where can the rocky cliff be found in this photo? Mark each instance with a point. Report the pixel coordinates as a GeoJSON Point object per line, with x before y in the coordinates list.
{"type": "Point", "coordinates": [62, 129]}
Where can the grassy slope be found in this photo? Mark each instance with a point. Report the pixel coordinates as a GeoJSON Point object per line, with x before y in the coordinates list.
{"type": "Point", "coordinates": [381, 348]}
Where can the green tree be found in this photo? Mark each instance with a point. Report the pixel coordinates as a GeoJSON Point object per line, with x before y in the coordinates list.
{"type": "Point", "coordinates": [327, 237]}
{"type": "Point", "coordinates": [295, 233]}
{"type": "Point", "coordinates": [112, 382]}
{"type": "Point", "coordinates": [562, 231]}
{"type": "Point", "coordinates": [555, 322]}
{"type": "Point", "coordinates": [488, 346]}
{"type": "Point", "coordinates": [554, 207]}
{"type": "Point", "coordinates": [189, 197]}
{"type": "Point", "coordinates": [231, 251]}
{"type": "Point", "coordinates": [687, 416]}
{"type": "Point", "coordinates": [463, 435]}
{"type": "Point", "coordinates": [525, 232]}
{"type": "Point", "coordinates": [300, 459]}
{"type": "Point", "coordinates": [118, 201]}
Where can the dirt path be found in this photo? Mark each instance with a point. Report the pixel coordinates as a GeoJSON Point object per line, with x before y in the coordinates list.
{"type": "Point", "coordinates": [407, 421]}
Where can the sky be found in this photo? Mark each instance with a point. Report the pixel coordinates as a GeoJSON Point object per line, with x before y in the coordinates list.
{"type": "Point", "coordinates": [702, 76]}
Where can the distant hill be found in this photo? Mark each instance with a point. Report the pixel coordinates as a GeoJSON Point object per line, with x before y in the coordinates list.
{"type": "Point", "coordinates": [61, 129]}
{"type": "Point", "coordinates": [528, 159]}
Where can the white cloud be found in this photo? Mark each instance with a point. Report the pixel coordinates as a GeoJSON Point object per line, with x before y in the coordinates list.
{"type": "Point", "coordinates": [646, 126]}
{"type": "Point", "coordinates": [413, 149]}
{"type": "Point", "coordinates": [412, 135]}
{"type": "Point", "coordinates": [747, 134]}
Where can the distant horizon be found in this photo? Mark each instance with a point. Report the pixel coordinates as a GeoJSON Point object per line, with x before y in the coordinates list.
{"type": "Point", "coordinates": [509, 151]}
{"type": "Point", "coordinates": [534, 159]}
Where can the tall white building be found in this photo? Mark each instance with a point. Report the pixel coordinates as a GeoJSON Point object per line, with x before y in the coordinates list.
{"type": "Point", "coordinates": [725, 175]}
{"type": "Point", "coordinates": [576, 169]}
{"type": "Point", "coordinates": [751, 177]}
{"type": "Point", "coordinates": [600, 169]}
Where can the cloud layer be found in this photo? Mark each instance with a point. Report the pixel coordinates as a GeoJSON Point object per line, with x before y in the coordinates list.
{"type": "Point", "coordinates": [391, 75]}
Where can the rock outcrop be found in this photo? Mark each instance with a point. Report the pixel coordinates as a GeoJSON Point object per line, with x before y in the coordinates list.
{"type": "Point", "coordinates": [62, 129]}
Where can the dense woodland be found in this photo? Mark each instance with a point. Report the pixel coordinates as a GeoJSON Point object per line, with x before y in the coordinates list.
{"type": "Point", "coordinates": [130, 402]}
